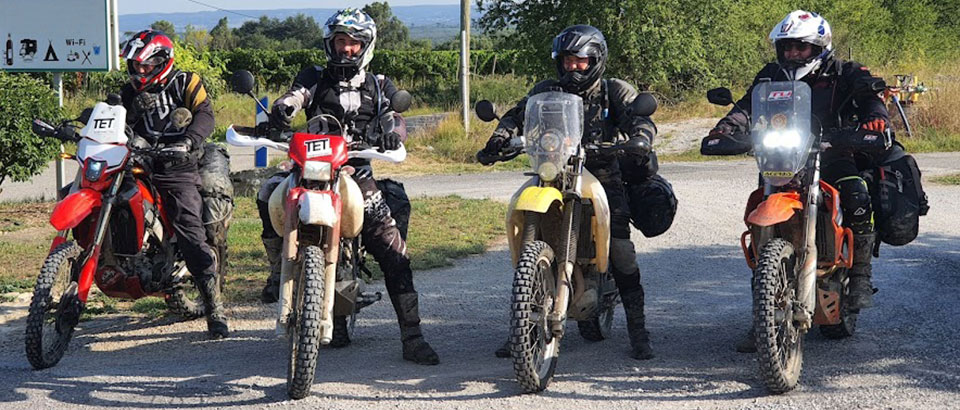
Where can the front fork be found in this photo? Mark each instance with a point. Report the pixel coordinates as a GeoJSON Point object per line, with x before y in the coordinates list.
{"type": "Point", "coordinates": [567, 252]}
{"type": "Point", "coordinates": [92, 256]}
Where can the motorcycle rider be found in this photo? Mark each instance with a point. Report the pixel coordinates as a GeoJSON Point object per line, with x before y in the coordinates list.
{"type": "Point", "coordinates": [803, 43]}
{"type": "Point", "coordinates": [580, 55]}
{"type": "Point", "coordinates": [155, 90]}
{"type": "Point", "coordinates": [360, 101]}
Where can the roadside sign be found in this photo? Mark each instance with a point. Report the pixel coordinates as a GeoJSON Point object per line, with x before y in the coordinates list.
{"type": "Point", "coordinates": [58, 35]}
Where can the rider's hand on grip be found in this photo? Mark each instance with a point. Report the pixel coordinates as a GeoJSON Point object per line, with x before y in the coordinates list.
{"type": "Point", "coordinates": [389, 141]}
{"type": "Point", "coordinates": [877, 125]}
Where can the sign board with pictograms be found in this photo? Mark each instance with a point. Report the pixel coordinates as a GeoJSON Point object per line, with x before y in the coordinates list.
{"type": "Point", "coordinates": [58, 35]}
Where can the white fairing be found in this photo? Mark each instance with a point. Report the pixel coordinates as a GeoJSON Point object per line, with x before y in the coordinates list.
{"type": "Point", "coordinates": [317, 209]}
{"type": "Point", "coordinates": [113, 154]}
{"type": "Point", "coordinates": [107, 124]}
{"type": "Point", "coordinates": [395, 156]}
{"type": "Point", "coordinates": [240, 140]}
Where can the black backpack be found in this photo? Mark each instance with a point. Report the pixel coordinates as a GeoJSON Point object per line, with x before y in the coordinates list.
{"type": "Point", "coordinates": [898, 197]}
{"type": "Point", "coordinates": [652, 205]}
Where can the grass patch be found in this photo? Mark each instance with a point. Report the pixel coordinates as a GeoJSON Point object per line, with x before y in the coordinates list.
{"type": "Point", "coordinates": [947, 179]}
{"type": "Point", "coordinates": [150, 306]}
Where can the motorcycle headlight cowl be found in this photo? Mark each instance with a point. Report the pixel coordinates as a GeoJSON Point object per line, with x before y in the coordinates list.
{"type": "Point", "coordinates": [93, 170]}
{"type": "Point", "coordinates": [548, 171]}
{"type": "Point", "coordinates": [317, 171]}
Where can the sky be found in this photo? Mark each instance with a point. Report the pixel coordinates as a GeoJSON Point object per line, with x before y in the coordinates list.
{"type": "Point", "coordinates": [176, 6]}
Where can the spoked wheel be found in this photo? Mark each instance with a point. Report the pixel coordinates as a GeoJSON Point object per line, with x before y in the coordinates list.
{"type": "Point", "coordinates": [305, 324]}
{"type": "Point", "coordinates": [848, 321]}
{"type": "Point", "coordinates": [185, 300]}
{"type": "Point", "coordinates": [55, 308]}
{"type": "Point", "coordinates": [598, 328]}
{"type": "Point", "coordinates": [779, 341]}
{"type": "Point", "coordinates": [533, 347]}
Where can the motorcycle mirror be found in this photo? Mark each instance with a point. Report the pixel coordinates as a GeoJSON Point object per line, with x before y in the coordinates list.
{"type": "Point", "coordinates": [486, 111]}
{"type": "Point", "coordinates": [644, 105]}
{"type": "Point", "coordinates": [181, 117]}
{"type": "Point", "coordinates": [720, 96]}
{"type": "Point", "coordinates": [242, 82]}
{"type": "Point", "coordinates": [401, 101]}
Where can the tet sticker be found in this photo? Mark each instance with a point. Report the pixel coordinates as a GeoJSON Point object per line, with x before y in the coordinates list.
{"type": "Point", "coordinates": [318, 148]}
{"type": "Point", "coordinates": [780, 95]}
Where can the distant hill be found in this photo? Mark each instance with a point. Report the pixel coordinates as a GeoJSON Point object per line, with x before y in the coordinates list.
{"type": "Point", "coordinates": [436, 22]}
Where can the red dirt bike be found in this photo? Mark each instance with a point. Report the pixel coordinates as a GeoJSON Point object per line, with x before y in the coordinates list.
{"type": "Point", "coordinates": [795, 243]}
{"type": "Point", "coordinates": [318, 210]}
{"type": "Point", "coordinates": [121, 238]}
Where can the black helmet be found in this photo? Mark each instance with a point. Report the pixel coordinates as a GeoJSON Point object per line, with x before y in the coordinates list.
{"type": "Point", "coordinates": [582, 41]}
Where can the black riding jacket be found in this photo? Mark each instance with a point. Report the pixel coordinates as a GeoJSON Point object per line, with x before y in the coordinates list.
{"type": "Point", "coordinates": [183, 89]}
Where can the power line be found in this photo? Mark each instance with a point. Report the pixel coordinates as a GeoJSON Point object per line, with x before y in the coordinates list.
{"type": "Point", "coordinates": [222, 9]}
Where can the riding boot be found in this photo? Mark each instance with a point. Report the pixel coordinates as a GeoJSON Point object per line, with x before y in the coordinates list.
{"type": "Point", "coordinates": [861, 290]}
{"type": "Point", "coordinates": [748, 344]}
{"type": "Point", "coordinates": [415, 348]}
{"type": "Point", "coordinates": [271, 291]}
{"type": "Point", "coordinates": [636, 326]}
{"type": "Point", "coordinates": [341, 335]}
{"type": "Point", "coordinates": [212, 304]}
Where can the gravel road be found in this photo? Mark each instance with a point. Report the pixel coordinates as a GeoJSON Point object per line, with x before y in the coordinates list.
{"type": "Point", "coordinates": [906, 353]}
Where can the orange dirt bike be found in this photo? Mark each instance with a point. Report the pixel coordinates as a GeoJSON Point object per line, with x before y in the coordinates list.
{"type": "Point", "coordinates": [795, 242]}
{"type": "Point", "coordinates": [318, 209]}
{"type": "Point", "coordinates": [558, 228]}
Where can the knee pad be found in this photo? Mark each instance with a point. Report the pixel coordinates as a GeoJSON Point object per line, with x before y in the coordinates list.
{"type": "Point", "coordinates": [856, 204]}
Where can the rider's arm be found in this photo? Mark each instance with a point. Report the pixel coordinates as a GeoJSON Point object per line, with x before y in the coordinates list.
{"type": "Point", "coordinates": [869, 106]}
{"type": "Point", "coordinates": [198, 102]}
{"type": "Point", "coordinates": [300, 93]}
{"type": "Point", "coordinates": [737, 120]}
{"type": "Point", "coordinates": [621, 94]}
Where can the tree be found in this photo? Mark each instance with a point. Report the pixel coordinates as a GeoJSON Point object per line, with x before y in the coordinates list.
{"type": "Point", "coordinates": [392, 34]}
{"type": "Point", "coordinates": [294, 32]}
{"type": "Point", "coordinates": [23, 154]}
{"type": "Point", "coordinates": [166, 27]}
{"type": "Point", "coordinates": [221, 36]}
{"type": "Point", "coordinates": [196, 37]}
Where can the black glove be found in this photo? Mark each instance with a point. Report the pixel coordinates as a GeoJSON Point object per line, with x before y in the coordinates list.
{"type": "Point", "coordinates": [721, 129]}
{"type": "Point", "coordinates": [389, 141]}
{"type": "Point", "coordinates": [495, 144]}
{"type": "Point", "coordinates": [280, 117]}
{"type": "Point", "coordinates": [176, 152]}
{"type": "Point", "coordinates": [638, 145]}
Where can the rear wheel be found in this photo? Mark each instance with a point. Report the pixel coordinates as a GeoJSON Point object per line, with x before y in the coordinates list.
{"type": "Point", "coordinates": [779, 341]}
{"type": "Point", "coordinates": [55, 308]}
{"type": "Point", "coordinates": [185, 300]}
{"type": "Point", "coordinates": [305, 337]}
{"type": "Point", "coordinates": [532, 345]}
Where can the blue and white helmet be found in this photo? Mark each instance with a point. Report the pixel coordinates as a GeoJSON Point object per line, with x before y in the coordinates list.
{"type": "Point", "coordinates": [359, 26]}
{"type": "Point", "coordinates": [809, 28]}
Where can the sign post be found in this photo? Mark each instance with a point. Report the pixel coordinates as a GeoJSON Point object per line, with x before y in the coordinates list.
{"type": "Point", "coordinates": [260, 153]}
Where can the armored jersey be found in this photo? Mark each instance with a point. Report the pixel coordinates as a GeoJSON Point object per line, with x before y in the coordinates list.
{"type": "Point", "coordinates": [151, 114]}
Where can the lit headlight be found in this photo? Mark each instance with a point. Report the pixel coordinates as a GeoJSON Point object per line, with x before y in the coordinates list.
{"type": "Point", "coordinates": [548, 171]}
{"type": "Point", "coordinates": [550, 142]}
{"type": "Point", "coordinates": [94, 170]}
{"type": "Point", "coordinates": [317, 171]}
{"type": "Point", "coordinates": [781, 139]}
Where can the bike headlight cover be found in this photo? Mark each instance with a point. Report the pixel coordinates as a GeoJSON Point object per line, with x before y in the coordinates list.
{"type": "Point", "coordinates": [781, 139]}
{"type": "Point", "coordinates": [548, 171]}
{"type": "Point", "coordinates": [550, 141]}
{"type": "Point", "coordinates": [94, 170]}
{"type": "Point", "coordinates": [317, 171]}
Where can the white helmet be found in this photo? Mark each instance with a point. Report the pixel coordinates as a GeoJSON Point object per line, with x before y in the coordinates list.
{"type": "Point", "coordinates": [359, 26]}
{"type": "Point", "coordinates": [806, 27]}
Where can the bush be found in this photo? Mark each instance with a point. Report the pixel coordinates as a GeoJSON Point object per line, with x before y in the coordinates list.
{"type": "Point", "coordinates": [22, 153]}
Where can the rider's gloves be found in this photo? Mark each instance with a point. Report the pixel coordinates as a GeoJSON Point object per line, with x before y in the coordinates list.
{"type": "Point", "coordinates": [176, 152]}
{"type": "Point", "coordinates": [280, 117]}
{"type": "Point", "coordinates": [389, 141]}
{"type": "Point", "coordinates": [876, 124]}
{"type": "Point", "coordinates": [496, 143]}
{"type": "Point", "coordinates": [638, 145]}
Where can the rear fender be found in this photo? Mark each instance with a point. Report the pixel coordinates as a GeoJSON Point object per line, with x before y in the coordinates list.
{"type": "Point", "coordinates": [74, 208]}
{"type": "Point", "coordinates": [777, 208]}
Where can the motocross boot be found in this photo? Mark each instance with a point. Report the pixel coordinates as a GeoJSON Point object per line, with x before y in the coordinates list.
{"type": "Point", "coordinates": [415, 348]}
{"type": "Point", "coordinates": [341, 335]}
{"type": "Point", "coordinates": [503, 351]}
{"type": "Point", "coordinates": [861, 290]}
{"type": "Point", "coordinates": [212, 304]}
{"type": "Point", "coordinates": [271, 291]}
{"type": "Point", "coordinates": [636, 326]}
{"type": "Point", "coordinates": [748, 344]}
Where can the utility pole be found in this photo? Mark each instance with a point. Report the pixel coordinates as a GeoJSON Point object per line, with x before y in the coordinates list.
{"type": "Point", "coordinates": [465, 62]}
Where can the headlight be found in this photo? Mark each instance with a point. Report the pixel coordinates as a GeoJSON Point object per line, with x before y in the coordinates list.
{"type": "Point", "coordinates": [781, 139]}
{"type": "Point", "coordinates": [94, 170]}
{"type": "Point", "coordinates": [550, 142]}
{"type": "Point", "coordinates": [548, 171]}
{"type": "Point", "coordinates": [317, 171]}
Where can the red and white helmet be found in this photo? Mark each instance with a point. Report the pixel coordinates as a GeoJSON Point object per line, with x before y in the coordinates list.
{"type": "Point", "coordinates": [150, 48]}
{"type": "Point", "coordinates": [806, 27]}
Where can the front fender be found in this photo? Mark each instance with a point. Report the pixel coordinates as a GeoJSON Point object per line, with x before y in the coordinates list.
{"type": "Point", "coordinates": [777, 208]}
{"type": "Point", "coordinates": [74, 208]}
{"type": "Point", "coordinates": [538, 199]}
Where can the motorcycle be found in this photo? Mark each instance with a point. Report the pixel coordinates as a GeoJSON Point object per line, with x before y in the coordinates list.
{"type": "Point", "coordinates": [318, 210]}
{"type": "Point", "coordinates": [795, 243]}
{"type": "Point", "coordinates": [121, 237]}
{"type": "Point", "coordinates": [558, 230]}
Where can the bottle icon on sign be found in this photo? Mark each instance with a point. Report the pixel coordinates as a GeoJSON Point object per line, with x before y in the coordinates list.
{"type": "Point", "coordinates": [9, 51]}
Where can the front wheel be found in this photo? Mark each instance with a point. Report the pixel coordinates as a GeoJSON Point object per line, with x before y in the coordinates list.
{"type": "Point", "coordinates": [305, 337]}
{"type": "Point", "coordinates": [55, 308]}
{"type": "Point", "coordinates": [779, 341]}
{"type": "Point", "coordinates": [532, 345]}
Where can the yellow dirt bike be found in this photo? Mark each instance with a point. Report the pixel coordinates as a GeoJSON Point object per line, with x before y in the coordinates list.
{"type": "Point", "coordinates": [558, 229]}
